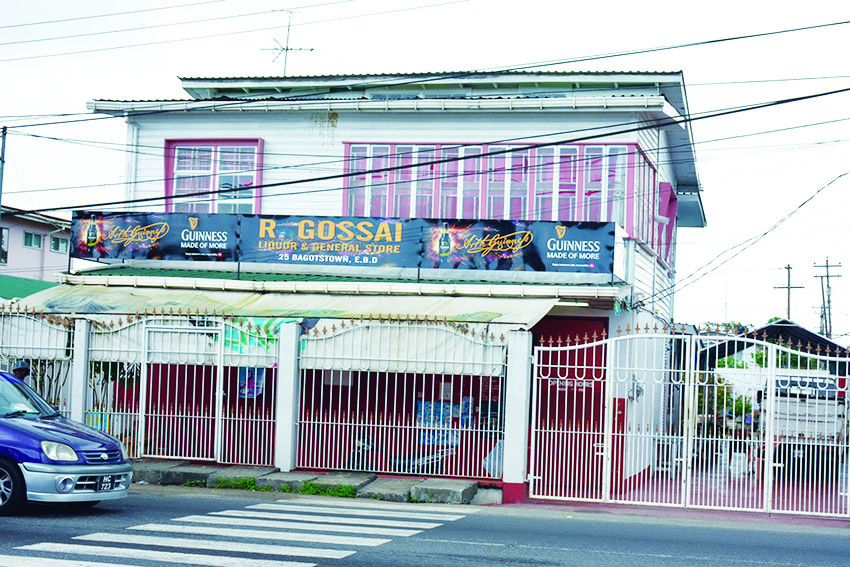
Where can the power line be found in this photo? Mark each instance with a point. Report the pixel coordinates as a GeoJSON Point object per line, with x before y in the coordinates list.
{"type": "Point", "coordinates": [334, 159]}
{"type": "Point", "coordinates": [642, 51]}
{"type": "Point", "coordinates": [222, 34]}
{"type": "Point", "coordinates": [654, 125]}
{"type": "Point", "coordinates": [95, 16]}
{"type": "Point", "coordinates": [537, 93]}
{"type": "Point", "coordinates": [443, 76]}
{"type": "Point", "coordinates": [141, 28]}
{"type": "Point", "coordinates": [738, 248]}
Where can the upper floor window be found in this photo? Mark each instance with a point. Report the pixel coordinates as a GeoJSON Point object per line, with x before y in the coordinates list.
{"type": "Point", "coordinates": [4, 245]}
{"type": "Point", "coordinates": [226, 172]}
{"type": "Point", "coordinates": [32, 240]}
{"type": "Point", "coordinates": [569, 182]}
{"type": "Point", "coordinates": [59, 244]}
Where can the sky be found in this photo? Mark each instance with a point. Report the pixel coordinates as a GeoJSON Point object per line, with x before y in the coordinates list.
{"type": "Point", "coordinates": [776, 187]}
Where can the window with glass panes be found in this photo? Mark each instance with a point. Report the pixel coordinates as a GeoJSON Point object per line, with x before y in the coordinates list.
{"type": "Point", "coordinates": [228, 170]}
{"type": "Point", "coordinates": [32, 240]}
{"type": "Point", "coordinates": [4, 245]}
{"type": "Point", "coordinates": [570, 182]}
{"type": "Point", "coordinates": [59, 244]}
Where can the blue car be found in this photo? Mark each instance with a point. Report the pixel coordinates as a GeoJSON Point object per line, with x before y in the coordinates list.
{"type": "Point", "coordinates": [47, 458]}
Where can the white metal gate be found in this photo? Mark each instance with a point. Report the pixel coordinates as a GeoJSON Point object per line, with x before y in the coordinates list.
{"type": "Point", "coordinates": [181, 393]}
{"type": "Point", "coordinates": [693, 421]}
{"type": "Point", "coordinates": [403, 397]}
{"type": "Point", "coordinates": [203, 387]}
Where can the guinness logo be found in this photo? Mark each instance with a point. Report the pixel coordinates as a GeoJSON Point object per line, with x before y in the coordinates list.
{"type": "Point", "coordinates": [193, 223]}
{"type": "Point", "coordinates": [561, 230]}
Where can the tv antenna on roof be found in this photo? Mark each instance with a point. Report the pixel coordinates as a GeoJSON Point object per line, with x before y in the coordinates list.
{"type": "Point", "coordinates": [285, 49]}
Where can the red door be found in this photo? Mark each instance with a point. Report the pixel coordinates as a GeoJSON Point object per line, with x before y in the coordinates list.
{"type": "Point", "coordinates": [568, 420]}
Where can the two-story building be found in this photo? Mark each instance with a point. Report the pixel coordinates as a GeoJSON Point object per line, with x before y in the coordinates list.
{"type": "Point", "coordinates": [547, 146]}
{"type": "Point", "coordinates": [420, 228]}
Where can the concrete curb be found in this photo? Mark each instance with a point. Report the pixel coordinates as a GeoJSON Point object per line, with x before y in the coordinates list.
{"type": "Point", "coordinates": [346, 484]}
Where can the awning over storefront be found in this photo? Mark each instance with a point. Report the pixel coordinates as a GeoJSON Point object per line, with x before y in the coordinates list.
{"type": "Point", "coordinates": [86, 299]}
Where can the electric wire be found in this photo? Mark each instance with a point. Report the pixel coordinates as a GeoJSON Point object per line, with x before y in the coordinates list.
{"type": "Point", "coordinates": [738, 248]}
{"type": "Point", "coordinates": [158, 150]}
{"type": "Point", "coordinates": [660, 123]}
{"type": "Point", "coordinates": [443, 76]}
{"type": "Point", "coordinates": [223, 34]}
{"type": "Point", "coordinates": [96, 16]}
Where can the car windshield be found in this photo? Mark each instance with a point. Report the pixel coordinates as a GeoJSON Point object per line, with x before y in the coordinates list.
{"type": "Point", "coordinates": [19, 400]}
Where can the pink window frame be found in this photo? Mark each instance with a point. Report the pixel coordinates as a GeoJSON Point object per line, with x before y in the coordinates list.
{"type": "Point", "coordinates": [172, 143]}
{"type": "Point", "coordinates": [633, 160]}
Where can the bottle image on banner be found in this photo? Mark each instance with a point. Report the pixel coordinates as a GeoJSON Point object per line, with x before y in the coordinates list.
{"type": "Point", "coordinates": [445, 246]}
{"type": "Point", "coordinates": [91, 233]}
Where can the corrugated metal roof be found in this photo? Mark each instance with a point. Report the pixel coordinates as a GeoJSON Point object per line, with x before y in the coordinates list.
{"type": "Point", "coordinates": [130, 299]}
{"type": "Point", "coordinates": [304, 98]}
{"type": "Point", "coordinates": [12, 287]}
{"type": "Point", "coordinates": [448, 74]}
{"type": "Point", "coordinates": [124, 270]}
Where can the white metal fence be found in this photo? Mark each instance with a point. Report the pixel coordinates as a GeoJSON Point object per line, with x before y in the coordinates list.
{"type": "Point", "coordinates": [45, 343]}
{"type": "Point", "coordinates": [404, 398]}
{"type": "Point", "coordinates": [170, 385]}
{"type": "Point", "coordinates": [190, 387]}
{"type": "Point", "coordinates": [709, 422]}
{"type": "Point", "coordinates": [648, 417]}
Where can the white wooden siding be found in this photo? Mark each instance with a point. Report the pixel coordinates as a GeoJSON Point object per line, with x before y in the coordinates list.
{"type": "Point", "coordinates": [650, 281]}
{"type": "Point", "coordinates": [294, 138]}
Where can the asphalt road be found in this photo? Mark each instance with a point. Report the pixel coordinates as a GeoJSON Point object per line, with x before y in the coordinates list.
{"type": "Point", "coordinates": [187, 526]}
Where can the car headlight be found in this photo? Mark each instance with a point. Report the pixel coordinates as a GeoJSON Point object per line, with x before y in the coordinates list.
{"type": "Point", "coordinates": [58, 451]}
{"type": "Point", "coordinates": [124, 456]}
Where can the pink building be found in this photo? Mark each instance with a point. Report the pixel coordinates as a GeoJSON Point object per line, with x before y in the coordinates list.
{"type": "Point", "coordinates": [34, 245]}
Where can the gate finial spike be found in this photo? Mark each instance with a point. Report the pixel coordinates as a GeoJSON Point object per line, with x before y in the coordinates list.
{"type": "Point", "coordinates": [559, 340]}
{"type": "Point", "coordinates": [619, 330]}
{"type": "Point", "coordinates": [604, 334]}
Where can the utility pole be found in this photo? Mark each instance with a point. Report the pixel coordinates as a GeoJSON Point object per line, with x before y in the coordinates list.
{"type": "Point", "coordinates": [2, 168]}
{"type": "Point", "coordinates": [826, 298]}
{"type": "Point", "coordinates": [788, 287]}
{"type": "Point", "coordinates": [285, 49]}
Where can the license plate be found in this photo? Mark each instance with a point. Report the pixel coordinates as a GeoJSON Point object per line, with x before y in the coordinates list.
{"type": "Point", "coordinates": [106, 482]}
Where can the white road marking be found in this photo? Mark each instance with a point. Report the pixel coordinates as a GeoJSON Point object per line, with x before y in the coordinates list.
{"type": "Point", "coordinates": [328, 519]}
{"type": "Point", "coordinates": [28, 561]}
{"type": "Point", "coordinates": [356, 512]}
{"type": "Point", "coordinates": [362, 503]}
{"type": "Point", "coordinates": [169, 556]}
{"type": "Point", "coordinates": [262, 534]}
{"type": "Point", "coordinates": [216, 545]}
{"type": "Point", "coordinates": [256, 523]}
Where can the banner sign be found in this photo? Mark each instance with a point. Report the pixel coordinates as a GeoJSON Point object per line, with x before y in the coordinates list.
{"type": "Point", "coordinates": [154, 236]}
{"type": "Point", "coordinates": [539, 246]}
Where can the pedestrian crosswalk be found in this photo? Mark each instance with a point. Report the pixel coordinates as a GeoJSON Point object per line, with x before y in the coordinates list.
{"type": "Point", "coordinates": [297, 532]}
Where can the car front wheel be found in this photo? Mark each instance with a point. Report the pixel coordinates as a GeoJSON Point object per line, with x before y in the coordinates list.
{"type": "Point", "coordinates": [12, 490]}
